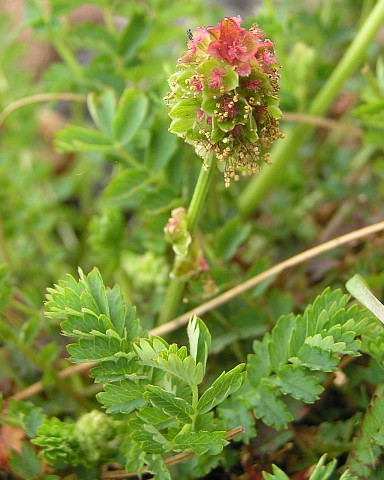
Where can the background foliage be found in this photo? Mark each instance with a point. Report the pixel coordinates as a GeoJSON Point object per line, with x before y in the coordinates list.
{"type": "Point", "coordinates": [98, 190]}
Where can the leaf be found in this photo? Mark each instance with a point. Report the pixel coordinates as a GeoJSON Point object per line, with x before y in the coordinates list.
{"type": "Point", "coordinates": [158, 467]}
{"type": "Point", "coordinates": [182, 125]}
{"type": "Point", "coordinates": [93, 283]}
{"type": "Point", "coordinates": [155, 417]}
{"type": "Point", "coordinates": [321, 471]}
{"type": "Point", "coordinates": [168, 403]}
{"type": "Point", "coordinates": [326, 311]}
{"type": "Point", "coordinates": [122, 398]}
{"type": "Point", "coordinates": [200, 442]}
{"type": "Point", "coordinates": [157, 199]}
{"type": "Point", "coordinates": [131, 111]}
{"type": "Point", "coordinates": [199, 340]}
{"type": "Point", "coordinates": [259, 365]}
{"type": "Point", "coordinates": [148, 436]}
{"type": "Point", "coordinates": [267, 406]}
{"type": "Point", "coordinates": [162, 146]}
{"type": "Point", "coordinates": [26, 464]}
{"type": "Point", "coordinates": [235, 411]}
{"type": "Point", "coordinates": [296, 382]}
{"type": "Point", "coordinates": [123, 316]}
{"type": "Point", "coordinates": [277, 474]}
{"type": "Point", "coordinates": [365, 454]}
{"type": "Point", "coordinates": [93, 36]}
{"type": "Point", "coordinates": [81, 139]}
{"type": "Point", "coordinates": [113, 371]}
{"type": "Point", "coordinates": [185, 109]}
{"type": "Point", "coordinates": [279, 344]}
{"type": "Point", "coordinates": [186, 369]}
{"type": "Point", "coordinates": [26, 416]}
{"type": "Point", "coordinates": [97, 349]}
{"type": "Point", "coordinates": [227, 384]}
{"type": "Point", "coordinates": [315, 358]}
{"type": "Point", "coordinates": [148, 350]}
{"type": "Point", "coordinates": [134, 35]}
{"type": "Point", "coordinates": [85, 325]}
{"type": "Point", "coordinates": [230, 237]}
{"type": "Point", "coordinates": [102, 109]}
{"type": "Point", "coordinates": [358, 289]}
{"type": "Point", "coordinates": [128, 188]}
{"type": "Point", "coordinates": [5, 286]}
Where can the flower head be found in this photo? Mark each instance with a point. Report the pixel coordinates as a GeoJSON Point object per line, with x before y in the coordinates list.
{"type": "Point", "coordinates": [234, 45]}
{"type": "Point", "coordinates": [224, 96]}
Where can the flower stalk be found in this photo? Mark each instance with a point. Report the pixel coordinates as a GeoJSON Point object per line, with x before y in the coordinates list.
{"type": "Point", "coordinates": [223, 100]}
{"type": "Point", "coordinates": [176, 286]}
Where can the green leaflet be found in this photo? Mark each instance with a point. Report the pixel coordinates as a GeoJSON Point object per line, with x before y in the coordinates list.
{"type": "Point", "coordinates": [118, 123]}
{"type": "Point", "coordinates": [294, 381]}
{"type": "Point", "coordinates": [5, 286]}
{"type": "Point", "coordinates": [128, 188]}
{"type": "Point", "coordinates": [122, 398]}
{"type": "Point", "coordinates": [168, 403]}
{"type": "Point", "coordinates": [366, 452]}
{"type": "Point", "coordinates": [130, 114]}
{"type": "Point", "coordinates": [122, 368]}
{"type": "Point", "coordinates": [157, 466]}
{"type": "Point", "coordinates": [321, 472]}
{"type": "Point", "coordinates": [267, 405]}
{"type": "Point", "coordinates": [199, 341]}
{"type": "Point", "coordinates": [149, 437]}
{"type": "Point", "coordinates": [315, 358]}
{"type": "Point", "coordinates": [102, 109]}
{"type": "Point", "coordinates": [81, 139]}
{"type": "Point", "coordinates": [26, 464]}
{"type": "Point", "coordinates": [200, 442]}
{"type": "Point", "coordinates": [185, 370]}
{"type": "Point", "coordinates": [277, 474]}
{"type": "Point", "coordinates": [227, 384]}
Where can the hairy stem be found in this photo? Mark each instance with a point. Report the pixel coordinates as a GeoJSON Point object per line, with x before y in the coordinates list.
{"type": "Point", "coordinates": [175, 289]}
{"type": "Point", "coordinates": [286, 149]}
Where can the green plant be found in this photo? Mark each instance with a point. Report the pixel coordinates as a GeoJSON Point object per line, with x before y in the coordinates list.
{"type": "Point", "coordinates": [279, 391]}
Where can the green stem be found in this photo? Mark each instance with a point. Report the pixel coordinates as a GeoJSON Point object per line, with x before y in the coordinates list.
{"type": "Point", "coordinates": [294, 137]}
{"type": "Point", "coordinates": [195, 400]}
{"type": "Point", "coordinates": [68, 57]}
{"type": "Point", "coordinates": [200, 194]}
{"type": "Point", "coordinates": [108, 19]}
{"type": "Point", "coordinates": [128, 158]}
{"type": "Point", "coordinates": [4, 247]}
{"type": "Point", "coordinates": [175, 289]}
{"type": "Point", "coordinates": [270, 9]}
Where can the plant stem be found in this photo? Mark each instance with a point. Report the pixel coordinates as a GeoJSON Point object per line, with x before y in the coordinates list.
{"type": "Point", "coordinates": [68, 57]}
{"type": "Point", "coordinates": [175, 289]}
{"type": "Point", "coordinates": [294, 137]}
{"type": "Point", "coordinates": [40, 97]}
{"type": "Point", "coordinates": [108, 19]}
{"type": "Point", "coordinates": [200, 194]}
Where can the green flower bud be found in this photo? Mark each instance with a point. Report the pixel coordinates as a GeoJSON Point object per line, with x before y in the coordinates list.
{"type": "Point", "coordinates": [93, 431]}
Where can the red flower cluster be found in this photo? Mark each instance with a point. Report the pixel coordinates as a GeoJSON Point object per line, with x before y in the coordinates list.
{"type": "Point", "coordinates": [224, 96]}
